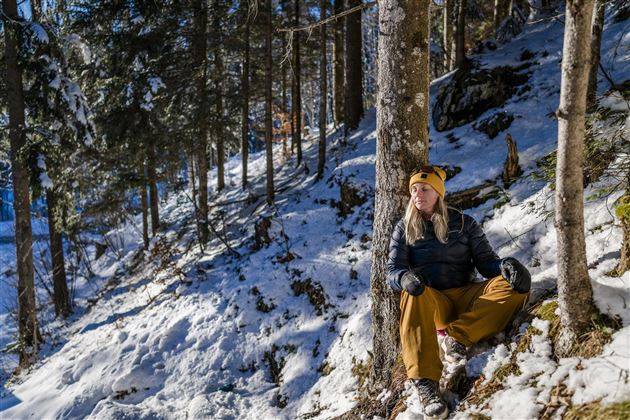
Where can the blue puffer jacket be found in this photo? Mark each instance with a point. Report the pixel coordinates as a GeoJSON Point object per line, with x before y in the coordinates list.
{"type": "Point", "coordinates": [443, 266]}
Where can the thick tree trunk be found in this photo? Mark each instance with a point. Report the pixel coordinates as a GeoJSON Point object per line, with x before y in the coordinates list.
{"type": "Point", "coordinates": [28, 330]}
{"type": "Point", "coordinates": [449, 6]}
{"type": "Point", "coordinates": [218, 91]}
{"type": "Point", "coordinates": [460, 36]}
{"type": "Point", "coordinates": [144, 203]}
{"type": "Point", "coordinates": [200, 46]}
{"type": "Point", "coordinates": [596, 45]}
{"type": "Point", "coordinates": [61, 297]}
{"type": "Point", "coordinates": [338, 64]}
{"type": "Point", "coordinates": [296, 94]}
{"type": "Point", "coordinates": [353, 102]}
{"type": "Point", "coordinates": [153, 190]}
{"type": "Point", "coordinates": [323, 91]}
{"type": "Point", "coordinates": [402, 145]}
{"type": "Point", "coordinates": [268, 101]}
{"type": "Point", "coordinates": [245, 107]}
{"type": "Point", "coordinates": [575, 295]}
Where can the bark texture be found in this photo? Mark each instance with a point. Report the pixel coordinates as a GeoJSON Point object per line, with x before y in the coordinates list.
{"type": "Point", "coordinates": [502, 9]}
{"type": "Point", "coordinates": [338, 64]}
{"type": "Point", "coordinates": [28, 330]}
{"type": "Point", "coordinates": [323, 89]}
{"type": "Point", "coordinates": [449, 6]}
{"type": "Point", "coordinates": [144, 202]}
{"type": "Point", "coordinates": [219, 74]}
{"type": "Point", "coordinates": [268, 100]}
{"type": "Point", "coordinates": [200, 47]}
{"type": "Point", "coordinates": [296, 94]}
{"type": "Point", "coordinates": [61, 297]}
{"type": "Point", "coordinates": [153, 190]}
{"type": "Point", "coordinates": [245, 107]}
{"type": "Point", "coordinates": [596, 45]}
{"type": "Point", "coordinates": [402, 145]}
{"type": "Point", "coordinates": [510, 167]}
{"type": "Point", "coordinates": [575, 295]}
{"type": "Point", "coordinates": [353, 102]}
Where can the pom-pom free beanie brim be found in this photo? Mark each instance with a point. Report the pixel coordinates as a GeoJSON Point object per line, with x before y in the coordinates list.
{"type": "Point", "coordinates": [433, 176]}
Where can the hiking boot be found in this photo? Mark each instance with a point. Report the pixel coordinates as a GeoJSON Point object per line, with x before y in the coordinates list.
{"type": "Point", "coordinates": [454, 351]}
{"type": "Point", "coordinates": [432, 401]}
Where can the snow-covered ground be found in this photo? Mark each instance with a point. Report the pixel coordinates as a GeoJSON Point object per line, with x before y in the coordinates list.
{"type": "Point", "coordinates": [177, 332]}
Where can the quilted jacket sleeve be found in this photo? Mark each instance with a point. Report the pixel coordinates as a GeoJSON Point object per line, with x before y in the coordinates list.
{"type": "Point", "coordinates": [398, 261]}
{"type": "Point", "coordinates": [485, 259]}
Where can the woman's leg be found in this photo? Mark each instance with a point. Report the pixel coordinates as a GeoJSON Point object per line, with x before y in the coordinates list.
{"type": "Point", "coordinates": [419, 316]}
{"type": "Point", "coordinates": [484, 309]}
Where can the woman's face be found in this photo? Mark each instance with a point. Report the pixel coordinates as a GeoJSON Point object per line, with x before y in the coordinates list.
{"type": "Point", "coordinates": [424, 197]}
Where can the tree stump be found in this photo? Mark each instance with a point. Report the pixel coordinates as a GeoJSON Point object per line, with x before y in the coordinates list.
{"type": "Point", "coordinates": [510, 168]}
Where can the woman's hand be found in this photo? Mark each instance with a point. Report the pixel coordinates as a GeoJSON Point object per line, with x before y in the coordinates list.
{"type": "Point", "coordinates": [516, 274]}
{"type": "Point", "coordinates": [412, 283]}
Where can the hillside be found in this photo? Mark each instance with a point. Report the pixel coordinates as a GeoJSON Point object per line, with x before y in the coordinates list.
{"type": "Point", "coordinates": [281, 328]}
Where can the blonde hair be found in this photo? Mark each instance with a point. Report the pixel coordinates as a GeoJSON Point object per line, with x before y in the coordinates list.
{"type": "Point", "coordinates": [414, 224]}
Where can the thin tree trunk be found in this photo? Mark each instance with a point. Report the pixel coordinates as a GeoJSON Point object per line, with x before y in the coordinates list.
{"type": "Point", "coordinates": [144, 202]}
{"type": "Point", "coordinates": [502, 9]}
{"type": "Point", "coordinates": [153, 190]}
{"type": "Point", "coordinates": [596, 45]}
{"type": "Point", "coordinates": [338, 65]}
{"type": "Point", "coordinates": [353, 97]}
{"type": "Point", "coordinates": [448, 34]}
{"type": "Point", "coordinates": [402, 145]}
{"type": "Point", "coordinates": [191, 176]}
{"type": "Point", "coordinates": [575, 294]}
{"type": "Point", "coordinates": [61, 296]}
{"type": "Point", "coordinates": [200, 46]}
{"type": "Point", "coordinates": [268, 102]}
{"type": "Point", "coordinates": [297, 87]}
{"type": "Point", "coordinates": [323, 90]}
{"type": "Point", "coordinates": [245, 108]}
{"type": "Point", "coordinates": [28, 330]}
{"type": "Point", "coordinates": [218, 91]}
{"type": "Point", "coordinates": [285, 105]}
{"type": "Point", "coordinates": [460, 36]}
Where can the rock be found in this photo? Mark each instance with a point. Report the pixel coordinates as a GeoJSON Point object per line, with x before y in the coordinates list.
{"type": "Point", "coordinates": [471, 93]}
{"type": "Point", "coordinates": [494, 124]}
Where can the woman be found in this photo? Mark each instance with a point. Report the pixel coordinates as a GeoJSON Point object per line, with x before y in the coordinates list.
{"type": "Point", "coordinates": [433, 254]}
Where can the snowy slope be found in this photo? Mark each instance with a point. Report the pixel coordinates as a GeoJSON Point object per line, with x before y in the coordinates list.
{"type": "Point", "coordinates": [183, 333]}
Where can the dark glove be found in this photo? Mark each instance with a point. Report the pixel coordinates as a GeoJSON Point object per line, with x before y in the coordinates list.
{"type": "Point", "coordinates": [516, 274]}
{"type": "Point", "coordinates": [412, 283]}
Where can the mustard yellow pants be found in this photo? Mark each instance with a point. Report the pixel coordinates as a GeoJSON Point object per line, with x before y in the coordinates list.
{"type": "Point", "coordinates": [468, 314]}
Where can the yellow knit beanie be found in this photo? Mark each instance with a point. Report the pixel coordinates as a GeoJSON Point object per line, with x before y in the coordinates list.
{"type": "Point", "coordinates": [431, 175]}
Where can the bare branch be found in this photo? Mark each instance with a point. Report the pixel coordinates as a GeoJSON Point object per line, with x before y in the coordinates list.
{"type": "Point", "coordinates": [328, 19]}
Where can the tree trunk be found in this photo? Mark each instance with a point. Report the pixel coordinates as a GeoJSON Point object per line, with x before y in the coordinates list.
{"type": "Point", "coordinates": [61, 296]}
{"type": "Point", "coordinates": [144, 202]}
{"type": "Point", "coordinates": [402, 145]}
{"type": "Point", "coordinates": [502, 9]}
{"type": "Point", "coordinates": [190, 164]}
{"type": "Point", "coordinates": [200, 45]}
{"type": "Point", "coordinates": [153, 190]}
{"type": "Point", "coordinates": [296, 94]}
{"type": "Point", "coordinates": [285, 105]}
{"type": "Point", "coordinates": [268, 101]}
{"type": "Point", "coordinates": [338, 65]}
{"type": "Point", "coordinates": [510, 167]}
{"type": "Point", "coordinates": [448, 34]}
{"type": "Point", "coordinates": [28, 330]}
{"type": "Point", "coordinates": [596, 44]}
{"type": "Point", "coordinates": [460, 36]}
{"type": "Point", "coordinates": [575, 294]}
{"type": "Point", "coordinates": [353, 97]}
{"type": "Point", "coordinates": [323, 90]}
{"type": "Point", "coordinates": [245, 108]}
{"type": "Point", "coordinates": [218, 91]}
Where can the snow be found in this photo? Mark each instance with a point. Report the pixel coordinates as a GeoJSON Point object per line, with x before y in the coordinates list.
{"type": "Point", "coordinates": [177, 332]}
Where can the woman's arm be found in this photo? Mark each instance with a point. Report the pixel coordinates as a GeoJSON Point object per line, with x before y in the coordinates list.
{"type": "Point", "coordinates": [485, 259]}
{"type": "Point", "coordinates": [398, 261]}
